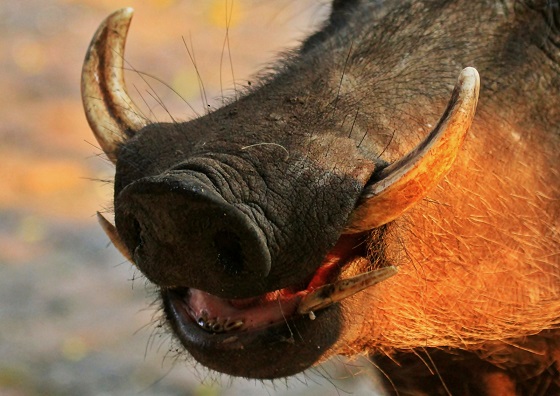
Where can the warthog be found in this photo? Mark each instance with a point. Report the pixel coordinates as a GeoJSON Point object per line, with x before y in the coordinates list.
{"type": "Point", "coordinates": [346, 204]}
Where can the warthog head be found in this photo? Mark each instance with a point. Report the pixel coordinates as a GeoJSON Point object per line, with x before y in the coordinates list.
{"type": "Point", "coordinates": [263, 222]}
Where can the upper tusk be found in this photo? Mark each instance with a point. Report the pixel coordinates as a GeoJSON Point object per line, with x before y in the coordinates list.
{"type": "Point", "coordinates": [111, 113]}
{"type": "Point", "coordinates": [403, 183]}
{"type": "Point", "coordinates": [114, 236]}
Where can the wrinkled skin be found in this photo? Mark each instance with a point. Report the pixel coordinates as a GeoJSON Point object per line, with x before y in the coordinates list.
{"type": "Point", "coordinates": [257, 196]}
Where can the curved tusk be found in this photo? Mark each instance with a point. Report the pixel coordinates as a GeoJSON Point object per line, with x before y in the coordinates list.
{"type": "Point", "coordinates": [403, 183]}
{"type": "Point", "coordinates": [111, 113]}
{"type": "Point", "coordinates": [113, 235]}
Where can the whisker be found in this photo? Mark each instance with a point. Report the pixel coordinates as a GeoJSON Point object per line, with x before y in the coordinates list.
{"type": "Point", "coordinates": [192, 57]}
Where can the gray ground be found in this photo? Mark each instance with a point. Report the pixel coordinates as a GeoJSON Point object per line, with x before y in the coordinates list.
{"type": "Point", "coordinates": [75, 318]}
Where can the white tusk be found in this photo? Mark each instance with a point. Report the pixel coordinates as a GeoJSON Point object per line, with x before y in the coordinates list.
{"type": "Point", "coordinates": [111, 113]}
{"type": "Point", "coordinates": [406, 181]}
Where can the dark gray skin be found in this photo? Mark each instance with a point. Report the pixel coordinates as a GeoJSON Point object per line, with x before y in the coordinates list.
{"type": "Point", "coordinates": [256, 196]}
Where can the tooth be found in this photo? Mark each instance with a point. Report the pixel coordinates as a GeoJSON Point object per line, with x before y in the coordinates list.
{"type": "Point", "coordinates": [332, 293]}
{"type": "Point", "coordinates": [217, 327]}
{"type": "Point", "coordinates": [202, 318]}
{"type": "Point", "coordinates": [226, 323]}
{"type": "Point", "coordinates": [233, 325]}
{"type": "Point", "coordinates": [209, 324]}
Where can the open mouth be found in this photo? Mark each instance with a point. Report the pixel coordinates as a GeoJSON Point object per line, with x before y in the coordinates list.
{"type": "Point", "coordinates": [335, 280]}
{"type": "Point", "coordinates": [218, 315]}
{"type": "Point", "coordinates": [279, 332]}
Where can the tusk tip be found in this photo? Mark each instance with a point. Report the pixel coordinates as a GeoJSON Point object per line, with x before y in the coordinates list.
{"type": "Point", "coordinates": [100, 218]}
{"type": "Point", "coordinates": [111, 231]}
{"type": "Point", "coordinates": [105, 224]}
{"type": "Point", "coordinates": [469, 71]}
{"type": "Point", "coordinates": [469, 78]}
{"type": "Point", "coordinates": [124, 13]}
{"type": "Point", "coordinates": [391, 270]}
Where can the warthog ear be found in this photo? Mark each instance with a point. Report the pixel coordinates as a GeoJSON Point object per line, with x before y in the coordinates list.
{"type": "Point", "coordinates": [111, 113]}
{"type": "Point", "coordinates": [400, 185]}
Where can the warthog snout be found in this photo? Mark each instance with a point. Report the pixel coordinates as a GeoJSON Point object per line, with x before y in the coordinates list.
{"type": "Point", "coordinates": [182, 232]}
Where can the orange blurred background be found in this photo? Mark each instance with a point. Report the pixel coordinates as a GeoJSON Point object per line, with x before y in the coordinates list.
{"type": "Point", "coordinates": [73, 313]}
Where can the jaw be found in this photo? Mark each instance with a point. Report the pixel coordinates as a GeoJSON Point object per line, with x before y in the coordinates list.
{"type": "Point", "coordinates": [266, 347]}
{"type": "Point", "coordinates": [265, 336]}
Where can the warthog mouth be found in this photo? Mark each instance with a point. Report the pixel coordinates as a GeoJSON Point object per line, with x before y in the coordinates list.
{"type": "Point", "coordinates": [302, 317]}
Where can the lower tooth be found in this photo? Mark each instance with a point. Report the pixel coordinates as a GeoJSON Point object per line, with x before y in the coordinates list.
{"type": "Point", "coordinates": [209, 324]}
{"type": "Point", "coordinates": [218, 325]}
{"type": "Point", "coordinates": [233, 325]}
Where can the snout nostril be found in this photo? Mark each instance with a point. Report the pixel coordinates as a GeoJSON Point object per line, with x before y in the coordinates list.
{"type": "Point", "coordinates": [229, 252]}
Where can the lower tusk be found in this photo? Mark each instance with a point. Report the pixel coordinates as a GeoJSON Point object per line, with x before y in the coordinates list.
{"type": "Point", "coordinates": [113, 235]}
{"type": "Point", "coordinates": [332, 293]}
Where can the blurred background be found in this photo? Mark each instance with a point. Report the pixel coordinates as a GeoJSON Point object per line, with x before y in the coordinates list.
{"type": "Point", "coordinates": [75, 317]}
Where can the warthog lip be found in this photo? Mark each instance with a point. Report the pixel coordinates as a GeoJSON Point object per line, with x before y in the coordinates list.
{"type": "Point", "coordinates": [254, 350]}
{"type": "Point", "coordinates": [261, 337]}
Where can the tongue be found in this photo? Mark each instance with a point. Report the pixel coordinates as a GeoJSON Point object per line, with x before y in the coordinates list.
{"type": "Point", "coordinates": [207, 309]}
